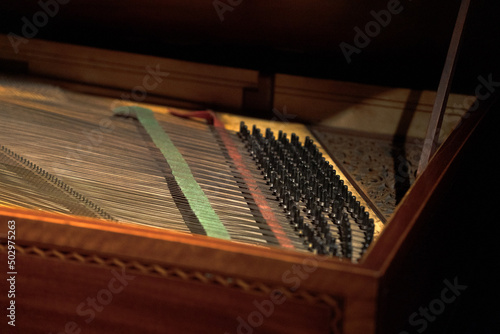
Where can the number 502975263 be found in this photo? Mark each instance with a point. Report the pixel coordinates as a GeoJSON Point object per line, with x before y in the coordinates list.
{"type": "Point", "coordinates": [11, 236]}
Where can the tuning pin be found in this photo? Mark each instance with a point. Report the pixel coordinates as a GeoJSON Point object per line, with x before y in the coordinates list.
{"type": "Point", "coordinates": [348, 250]}
{"type": "Point", "coordinates": [327, 235]}
{"type": "Point", "coordinates": [325, 228]}
{"type": "Point", "coordinates": [293, 212]}
{"type": "Point", "coordinates": [320, 247]}
{"type": "Point", "coordinates": [300, 221]}
{"type": "Point", "coordinates": [337, 220]}
{"type": "Point", "coordinates": [307, 230]}
{"type": "Point", "coordinates": [350, 203]}
{"type": "Point", "coordinates": [362, 213]}
{"type": "Point", "coordinates": [269, 133]}
{"type": "Point", "coordinates": [356, 209]}
{"type": "Point", "coordinates": [333, 248]}
{"type": "Point", "coordinates": [242, 128]}
{"type": "Point", "coordinates": [345, 219]}
{"type": "Point", "coordinates": [286, 200]}
{"type": "Point", "coordinates": [344, 191]}
{"type": "Point", "coordinates": [369, 238]}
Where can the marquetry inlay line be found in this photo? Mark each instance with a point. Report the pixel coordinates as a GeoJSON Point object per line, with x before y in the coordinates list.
{"type": "Point", "coordinates": [253, 287]}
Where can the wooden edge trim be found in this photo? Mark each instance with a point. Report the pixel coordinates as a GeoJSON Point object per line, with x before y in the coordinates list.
{"type": "Point", "coordinates": [196, 259]}
{"type": "Point", "coordinates": [211, 85]}
{"type": "Point", "coordinates": [357, 93]}
{"type": "Point", "coordinates": [163, 246]}
{"type": "Point", "coordinates": [263, 289]}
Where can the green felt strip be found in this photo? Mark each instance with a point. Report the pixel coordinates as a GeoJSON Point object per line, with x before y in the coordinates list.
{"type": "Point", "coordinates": [180, 170]}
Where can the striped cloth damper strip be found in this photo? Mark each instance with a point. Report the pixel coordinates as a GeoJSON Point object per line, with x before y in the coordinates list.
{"type": "Point", "coordinates": [180, 170]}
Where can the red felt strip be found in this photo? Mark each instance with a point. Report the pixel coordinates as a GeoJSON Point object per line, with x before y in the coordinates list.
{"type": "Point", "coordinates": [258, 196]}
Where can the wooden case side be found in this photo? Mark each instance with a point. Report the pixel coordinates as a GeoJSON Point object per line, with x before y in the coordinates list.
{"type": "Point", "coordinates": [339, 293]}
{"type": "Point", "coordinates": [141, 77]}
{"type": "Point", "coordinates": [438, 249]}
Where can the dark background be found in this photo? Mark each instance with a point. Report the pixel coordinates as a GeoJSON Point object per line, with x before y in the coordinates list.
{"type": "Point", "coordinates": [302, 38]}
{"type": "Point", "coordinates": [293, 37]}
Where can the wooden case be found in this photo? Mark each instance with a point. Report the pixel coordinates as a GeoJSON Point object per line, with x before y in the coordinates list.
{"type": "Point", "coordinates": [82, 275]}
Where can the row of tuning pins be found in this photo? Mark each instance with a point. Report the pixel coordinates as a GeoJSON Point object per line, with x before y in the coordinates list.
{"type": "Point", "coordinates": [299, 173]}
